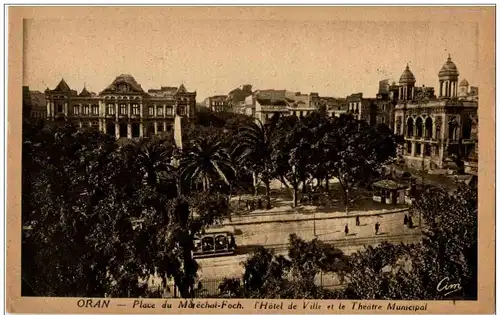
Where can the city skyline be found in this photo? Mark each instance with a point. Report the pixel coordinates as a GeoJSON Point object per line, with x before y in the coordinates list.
{"type": "Point", "coordinates": [216, 56]}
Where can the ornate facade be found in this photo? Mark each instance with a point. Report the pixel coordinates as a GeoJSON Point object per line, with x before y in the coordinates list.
{"type": "Point", "coordinates": [430, 124]}
{"type": "Point", "coordinates": [123, 109]}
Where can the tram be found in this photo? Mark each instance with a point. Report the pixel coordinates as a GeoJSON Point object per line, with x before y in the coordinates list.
{"type": "Point", "coordinates": [215, 242]}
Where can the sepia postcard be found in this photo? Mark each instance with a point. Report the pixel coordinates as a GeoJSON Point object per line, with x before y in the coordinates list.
{"type": "Point", "coordinates": [251, 159]}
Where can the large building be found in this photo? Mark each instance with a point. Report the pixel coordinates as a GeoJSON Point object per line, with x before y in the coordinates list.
{"type": "Point", "coordinates": [123, 109]}
{"type": "Point", "coordinates": [268, 103]}
{"type": "Point", "coordinates": [432, 125]}
{"type": "Point", "coordinates": [217, 103]}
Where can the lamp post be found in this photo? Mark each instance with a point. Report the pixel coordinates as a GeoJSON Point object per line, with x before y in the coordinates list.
{"type": "Point", "coordinates": [314, 223]}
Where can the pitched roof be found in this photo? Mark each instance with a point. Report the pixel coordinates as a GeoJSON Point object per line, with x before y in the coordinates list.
{"type": "Point", "coordinates": [127, 79]}
{"type": "Point", "coordinates": [62, 87]}
{"type": "Point", "coordinates": [181, 89]}
{"type": "Point", "coordinates": [85, 93]}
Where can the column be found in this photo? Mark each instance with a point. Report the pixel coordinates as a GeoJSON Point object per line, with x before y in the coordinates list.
{"type": "Point", "coordinates": [140, 113]}
{"type": "Point", "coordinates": [440, 88]}
{"type": "Point", "coordinates": [141, 127]}
{"type": "Point", "coordinates": [441, 153]}
{"type": "Point", "coordinates": [49, 109]}
{"type": "Point", "coordinates": [66, 109]}
{"type": "Point", "coordinates": [129, 130]}
{"type": "Point", "coordinates": [129, 110]}
{"type": "Point", "coordinates": [100, 125]}
{"type": "Point", "coordinates": [164, 126]}
{"type": "Point", "coordinates": [156, 127]}
{"type": "Point", "coordinates": [104, 126]}
{"type": "Point", "coordinates": [413, 148]}
{"type": "Point", "coordinates": [116, 111]}
{"type": "Point", "coordinates": [117, 131]}
{"type": "Point", "coordinates": [164, 112]}
{"type": "Point", "coordinates": [422, 148]}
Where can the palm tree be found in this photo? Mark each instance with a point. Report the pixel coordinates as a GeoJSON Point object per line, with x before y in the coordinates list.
{"type": "Point", "coordinates": [205, 161]}
{"type": "Point", "coordinates": [154, 157]}
{"type": "Point", "coordinates": [254, 147]}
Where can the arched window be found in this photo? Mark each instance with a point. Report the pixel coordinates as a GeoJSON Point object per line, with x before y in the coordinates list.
{"type": "Point", "coordinates": [419, 125]}
{"type": "Point", "coordinates": [409, 127]}
{"type": "Point", "coordinates": [452, 127]}
{"type": "Point", "coordinates": [428, 127]}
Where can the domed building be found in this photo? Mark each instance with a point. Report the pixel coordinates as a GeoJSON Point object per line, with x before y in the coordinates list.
{"type": "Point", "coordinates": [123, 109]}
{"type": "Point", "coordinates": [435, 127]}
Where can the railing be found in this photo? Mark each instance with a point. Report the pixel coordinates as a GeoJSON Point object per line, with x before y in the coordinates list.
{"type": "Point", "coordinates": [210, 288]}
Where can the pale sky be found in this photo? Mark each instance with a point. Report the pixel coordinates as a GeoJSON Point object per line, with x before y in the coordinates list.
{"type": "Point", "coordinates": [213, 56]}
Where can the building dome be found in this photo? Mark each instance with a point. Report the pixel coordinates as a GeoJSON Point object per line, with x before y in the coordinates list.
{"type": "Point", "coordinates": [407, 76]}
{"type": "Point", "coordinates": [464, 83]}
{"type": "Point", "coordinates": [449, 69]}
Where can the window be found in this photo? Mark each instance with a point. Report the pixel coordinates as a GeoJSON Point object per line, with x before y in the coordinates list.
{"type": "Point", "coordinates": [123, 109]}
{"type": "Point", "coordinates": [408, 147]}
{"type": "Point", "coordinates": [159, 110]}
{"type": "Point", "coordinates": [151, 110]}
{"type": "Point", "coordinates": [427, 150]}
{"type": "Point", "coordinates": [59, 108]}
{"type": "Point", "coordinates": [76, 110]}
{"type": "Point", "coordinates": [135, 109]}
{"type": "Point", "coordinates": [160, 127]}
{"type": "Point", "coordinates": [95, 110]}
{"type": "Point", "coordinates": [110, 109]}
{"type": "Point", "coordinates": [169, 111]}
{"type": "Point", "coordinates": [182, 110]}
{"type": "Point", "coordinates": [86, 109]}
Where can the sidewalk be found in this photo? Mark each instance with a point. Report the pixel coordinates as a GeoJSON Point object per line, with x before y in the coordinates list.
{"type": "Point", "coordinates": [276, 216]}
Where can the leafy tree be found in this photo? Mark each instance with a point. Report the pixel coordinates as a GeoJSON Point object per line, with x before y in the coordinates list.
{"type": "Point", "coordinates": [268, 275]}
{"type": "Point", "coordinates": [357, 150]}
{"type": "Point", "coordinates": [96, 224]}
{"type": "Point", "coordinates": [290, 155]}
{"type": "Point", "coordinates": [74, 216]}
{"type": "Point", "coordinates": [319, 127]}
{"type": "Point", "coordinates": [448, 251]}
{"type": "Point", "coordinates": [254, 149]}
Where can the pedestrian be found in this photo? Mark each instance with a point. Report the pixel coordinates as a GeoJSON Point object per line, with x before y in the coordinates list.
{"type": "Point", "coordinates": [405, 221]}
{"type": "Point", "coordinates": [410, 223]}
{"type": "Point", "coordinates": [232, 242]}
{"type": "Point", "coordinates": [377, 226]}
{"type": "Point", "coordinates": [248, 205]}
{"type": "Point", "coordinates": [252, 205]}
{"type": "Point", "coordinates": [357, 220]}
{"type": "Point", "coordinates": [259, 203]}
{"type": "Point", "coordinates": [346, 230]}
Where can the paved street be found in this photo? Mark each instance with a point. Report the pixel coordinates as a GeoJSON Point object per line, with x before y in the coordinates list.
{"type": "Point", "coordinates": [275, 235]}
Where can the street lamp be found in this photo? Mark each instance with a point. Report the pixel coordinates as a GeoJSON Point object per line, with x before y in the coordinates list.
{"type": "Point", "coordinates": [314, 223]}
